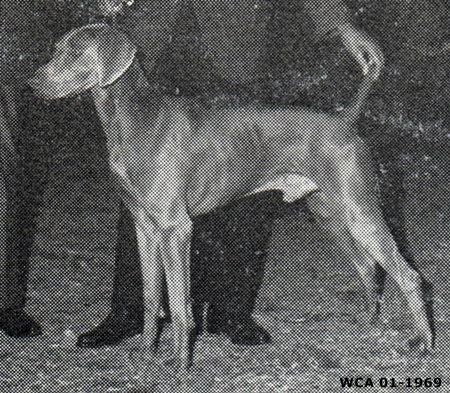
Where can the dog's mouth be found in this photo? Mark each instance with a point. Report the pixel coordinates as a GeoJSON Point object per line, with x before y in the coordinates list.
{"type": "Point", "coordinates": [44, 89]}
{"type": "Point", "coordinates": [50, 90]}
{"type": "Point", "coordinates": [38, 86]}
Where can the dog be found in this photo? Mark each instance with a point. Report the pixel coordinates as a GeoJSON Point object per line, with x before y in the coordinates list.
{"type": "Point", "coordinates": [176, 158]}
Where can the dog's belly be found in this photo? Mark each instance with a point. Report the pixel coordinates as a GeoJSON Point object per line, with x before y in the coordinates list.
{"type": "Point", "coordinates": [217, 182]}
{"type": "Point", "coordinates": [294, 186]}
{"type": "Point", "coordinates": [233, 160]}
{"type": "Point", "coordinates": [217, 185]}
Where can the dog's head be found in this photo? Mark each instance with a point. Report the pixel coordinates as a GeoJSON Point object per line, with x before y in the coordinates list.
{"type": "Point", "coordinates": [90, 56]}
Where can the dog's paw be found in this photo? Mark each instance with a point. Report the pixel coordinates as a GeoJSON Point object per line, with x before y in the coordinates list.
{"type": "Point", "coordinates": [421, 344]}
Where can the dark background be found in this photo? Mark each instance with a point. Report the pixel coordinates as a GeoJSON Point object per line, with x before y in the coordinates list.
{"type": "Point", "coordinates": [413, 92]}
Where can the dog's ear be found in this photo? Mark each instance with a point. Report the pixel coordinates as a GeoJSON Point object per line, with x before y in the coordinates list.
{"type": "Point", "coordinates": [116, 53]}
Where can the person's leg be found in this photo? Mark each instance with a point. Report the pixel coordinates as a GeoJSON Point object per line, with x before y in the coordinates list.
{"type": "Point", "coordinates": [25, 186]}
{"type": "Point", "coordinates": [8, 162]}
{"type": "Point", "coordinates": [126, 317]}
{"type": "Point", "coordinates": [127, 292]}
{"type": "Point", "coordinates": [241, 233]}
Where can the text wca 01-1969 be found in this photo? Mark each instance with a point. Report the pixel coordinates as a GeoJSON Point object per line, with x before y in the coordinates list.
{"type": "Point", "coordinates": [364, 382]}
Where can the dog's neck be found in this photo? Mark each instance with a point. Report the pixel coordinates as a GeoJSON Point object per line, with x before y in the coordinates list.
{"type": "Point", "coordinates": [129, 107]}
{"type": "Point", "coordinates": [130, 98]}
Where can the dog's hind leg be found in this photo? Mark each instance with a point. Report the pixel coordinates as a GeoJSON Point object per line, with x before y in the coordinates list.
{"type": "Point", "coordinates": [378, 279]}
{"type": "Point", "coordinates": [332, 222]}
{"type": "Point", "coordinates": [366, 224]}
{"type": "Point", "coordinates": [176, 259]}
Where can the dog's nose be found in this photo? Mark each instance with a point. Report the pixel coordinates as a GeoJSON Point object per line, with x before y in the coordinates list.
{"type": "Point", "coordinates": [33, 82]}
{"type": "Point", "coordinates": [36, 79]}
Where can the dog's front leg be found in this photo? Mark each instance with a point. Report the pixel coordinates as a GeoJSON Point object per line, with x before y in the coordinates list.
{"type": "Point", "coordinates": [149, 242]}
{"type": "Point", "coordinates": [176, 260]}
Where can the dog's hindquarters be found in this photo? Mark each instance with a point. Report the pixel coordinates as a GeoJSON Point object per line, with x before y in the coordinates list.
{"type": "Point", "coordinates": [348, 204]}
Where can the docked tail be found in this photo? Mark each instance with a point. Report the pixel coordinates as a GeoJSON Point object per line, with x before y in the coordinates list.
{"type": "Point", "coordinates": [352, 112]}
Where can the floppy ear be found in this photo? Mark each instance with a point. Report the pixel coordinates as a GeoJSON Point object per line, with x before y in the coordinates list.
{"type": "Point", "coordinates": [116, 54]}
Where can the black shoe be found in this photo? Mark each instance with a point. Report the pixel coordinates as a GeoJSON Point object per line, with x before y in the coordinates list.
{"type": "Point", "coordinates": [245, 332]}
{"type": "Point", "coordinates": [18, 324]}
{"type": "Point", "coordinates": [242, 330]}
{"type": "Point", "coordinates": [115, 328]}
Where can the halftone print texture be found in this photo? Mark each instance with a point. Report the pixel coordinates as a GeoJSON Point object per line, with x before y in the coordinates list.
{"type": "Point", "coordinates": [224, 196]}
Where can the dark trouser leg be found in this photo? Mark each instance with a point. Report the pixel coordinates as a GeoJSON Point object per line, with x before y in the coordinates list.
{"type": "Point", "coordinates": [26, 186]}
{"type": "Point", "coordinates": [240, 235]}
{"type": "Point", "coordinates": [126, 318]}
{"type": "Point", "coordinates": [26, 181]}
{"type": "Point", "coordinates": [127, 286]}
{"type": "Point", "coordinates": [21, 227]}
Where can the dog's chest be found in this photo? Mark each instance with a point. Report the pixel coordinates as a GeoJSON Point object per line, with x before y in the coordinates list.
{"type": "Point", "coordinates": [146, 157]}
{"type": "Point", "coordinates": [156, 174]}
